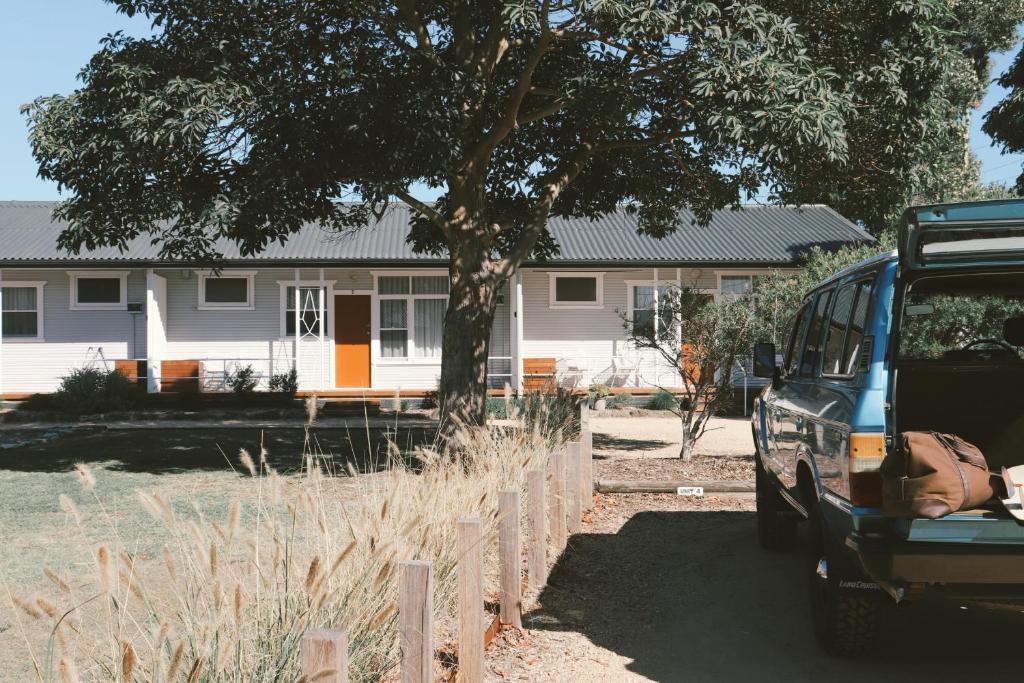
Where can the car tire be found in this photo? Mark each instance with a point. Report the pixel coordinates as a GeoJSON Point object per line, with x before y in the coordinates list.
{"type": "Point", "coordinates": [845, 623]}
{"type": "Point", "coordinates": [776, 519]}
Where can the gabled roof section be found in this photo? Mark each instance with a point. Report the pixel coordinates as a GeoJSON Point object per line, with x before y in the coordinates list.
{"type": "Point", "coordinates": [751, 235]}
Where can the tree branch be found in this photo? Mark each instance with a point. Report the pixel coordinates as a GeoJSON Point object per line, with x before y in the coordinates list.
{"type": "Point", "coordinates": [425, 210]}
{"type": "Point", "coordinates": [407, 8]}
{"type": "Point", "coordinates": [507, 121]}
{"type": "Point", "coordinates": [538, 219]}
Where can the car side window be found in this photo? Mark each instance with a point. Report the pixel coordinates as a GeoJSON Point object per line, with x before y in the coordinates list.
{"type": "Point", "coordinates": [858, 329]}
{"type": "Point", "coordinates": [796, 330]}
{"type": "Point", "coordinates": [836, 331]}
{"type": "Point", "coordinates": [815, 335]}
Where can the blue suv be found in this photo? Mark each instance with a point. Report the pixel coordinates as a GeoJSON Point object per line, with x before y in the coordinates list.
{"type": "Point", "coordinates": [928, 337]}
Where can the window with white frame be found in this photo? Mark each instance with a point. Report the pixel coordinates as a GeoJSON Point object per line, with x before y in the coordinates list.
{"type": "Point", "coordinates": [309, 318]}
{"type": "Point", "coordinates": [21, 311]}
{"type": "Point", "coordinates": [412, 310]}
{"type": "Point", "coordinates": [99, 290]}
{"type": "Point", "coordinates": [734, 286]}
{"type": "Point", "coordinates": [644, 305]}
{"type": "Point", "coordinates": [229, 290]}
{"type": "Point", "coordinates": [576, 290]}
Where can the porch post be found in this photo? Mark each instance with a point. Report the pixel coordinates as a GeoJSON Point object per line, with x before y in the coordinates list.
{"type": "Point", "coordinates": [156, 329]}
{"type": "Point", "coordinates": [323, 323]}
{"type": "Point", "coordinates": [517, 331]}
{"type": "Point", "coordinates": [298, 329]}
{"type": "Point", "coordinates": [657, 325]}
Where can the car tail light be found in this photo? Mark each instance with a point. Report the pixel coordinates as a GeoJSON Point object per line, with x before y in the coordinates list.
{"type": "Point", "coordinates": [866, 454]}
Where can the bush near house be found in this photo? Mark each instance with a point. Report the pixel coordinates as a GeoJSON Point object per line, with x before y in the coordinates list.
{"type": "Point", "coordinates": [285, 383]}
{"type": "Point", "coordinates": [662, 400]}
{"type": "Point", "coordinates": [87, 391]}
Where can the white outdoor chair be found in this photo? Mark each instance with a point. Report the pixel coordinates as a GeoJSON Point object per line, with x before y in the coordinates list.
{"type": "Point", "coordinates": [569, 373]}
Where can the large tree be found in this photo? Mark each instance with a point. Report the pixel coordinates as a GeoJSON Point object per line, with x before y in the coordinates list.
{"type": "Point", "coordinates": [915, 71]}
{"type": "Point", "coordinates": [245, 119]}
{"type": "Point", "coordinates": [1005, 121]}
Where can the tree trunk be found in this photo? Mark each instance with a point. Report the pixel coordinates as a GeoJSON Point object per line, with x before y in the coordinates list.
{"type": "Point", "coordinates": [466, 342]}
{"type": "Point", "coordinates": [686, 447]}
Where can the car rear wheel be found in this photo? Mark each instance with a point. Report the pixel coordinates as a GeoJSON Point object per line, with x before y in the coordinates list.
{"type": "Point", "coordinates": [776, 519]}
{"type": "Point", "coordinates": [845, 623]}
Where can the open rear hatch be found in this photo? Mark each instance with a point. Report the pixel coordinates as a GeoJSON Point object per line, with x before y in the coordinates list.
{"type": "Point", "coordinates": [967, 235]}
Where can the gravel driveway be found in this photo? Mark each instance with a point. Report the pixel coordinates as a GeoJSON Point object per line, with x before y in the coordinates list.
{"type": "Point", "coordinates": [661, 588]}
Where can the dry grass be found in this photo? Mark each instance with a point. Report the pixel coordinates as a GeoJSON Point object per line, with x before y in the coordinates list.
{"type": "Point", "coordinates": [230, 598]}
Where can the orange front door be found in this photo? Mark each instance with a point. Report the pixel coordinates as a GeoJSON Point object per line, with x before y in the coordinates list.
{"type": "Point", "coordinates": [352, 340]}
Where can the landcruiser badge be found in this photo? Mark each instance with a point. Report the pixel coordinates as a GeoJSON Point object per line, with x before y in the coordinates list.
{"type": "Point", "coordinates": [697, 491]}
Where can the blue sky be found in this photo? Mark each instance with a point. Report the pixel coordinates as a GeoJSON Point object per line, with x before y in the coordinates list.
{"type": "Point", "coordinates": [44, 43]}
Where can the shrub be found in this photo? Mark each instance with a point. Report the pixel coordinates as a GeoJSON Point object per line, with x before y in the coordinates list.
{"type": "Point", "coordinates": [619, 400]}
{"type": "Point", "coordinates": [599, 391]}
{"type": "Point", "coordinates": [286, 383]}
{"type": "Point", "coordinates": [663, 400]}
{"type": "Point", "coordinates": [243, 380]}
{"type": "Point", "coordinates": [89, 390]}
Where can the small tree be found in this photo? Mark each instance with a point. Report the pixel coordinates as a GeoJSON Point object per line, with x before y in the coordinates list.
{"type": "Point", "coordinates": [703, 338]}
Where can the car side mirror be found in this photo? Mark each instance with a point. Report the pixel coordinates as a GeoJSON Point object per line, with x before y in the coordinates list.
{"type": "Point", "coordinates": [764, 360]}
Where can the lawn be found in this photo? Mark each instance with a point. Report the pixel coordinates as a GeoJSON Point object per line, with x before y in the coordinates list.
{"type": "Point", "coordinates": [180, 464]}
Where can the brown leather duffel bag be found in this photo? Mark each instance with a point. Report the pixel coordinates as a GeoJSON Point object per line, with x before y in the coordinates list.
{"type": "Point", "coordinates": [933, 475]}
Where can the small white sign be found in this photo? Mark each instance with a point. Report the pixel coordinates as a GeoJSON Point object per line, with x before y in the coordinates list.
{"type": "Point", "coordinates": [690, 491]}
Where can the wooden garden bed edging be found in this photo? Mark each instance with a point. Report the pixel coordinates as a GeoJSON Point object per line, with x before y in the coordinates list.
{"type": "Point", "coordinates": [632, 486]}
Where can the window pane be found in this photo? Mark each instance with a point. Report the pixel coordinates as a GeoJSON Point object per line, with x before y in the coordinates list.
{"type": "Point", "coordinates": [99, 290]}
{"type": "Point", "coordinates": [394, 343]}
{"type": "Point", "coordinates": [430, 285]}
{"type": "Point", "coordinates": [19, 298]}
{"type": "Point", "coordinates": [643, 323]}
{"type": "Point", "coordinates": [228, 290]}
{"type": "Point", "coordinates": [855, 336]}
{"type": "Point", "coordinates": [310, 303]}
{"type": "Point", "coordinates": [576, 289]}
{"type": "Point", "coordinates": [393, 313]}
{"type": "Point", "coordinates": [429, 326]}
{"type": "Point", "coordinates": [735, 285]}
{"type": "Point", "coordinates": [812, 347]}
{"type": "Point", "coordinates": [393, 284]}
{"type": "Point", "coordinates": [18, 324]}
{"type": "Point", "coordinates": [835, 336]}
{"type": "Point", "coordinates": [643, 297]}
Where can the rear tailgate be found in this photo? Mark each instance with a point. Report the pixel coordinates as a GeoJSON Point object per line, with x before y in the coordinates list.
{"type": "Point", "coordinates": [971, 234]}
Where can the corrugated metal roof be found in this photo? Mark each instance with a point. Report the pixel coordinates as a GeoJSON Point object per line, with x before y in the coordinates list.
{"type": "Point", "coordinates": [751, 234]}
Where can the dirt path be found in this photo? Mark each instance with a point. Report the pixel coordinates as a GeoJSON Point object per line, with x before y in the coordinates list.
{"type": "Point", "coordinates": [663, 589]}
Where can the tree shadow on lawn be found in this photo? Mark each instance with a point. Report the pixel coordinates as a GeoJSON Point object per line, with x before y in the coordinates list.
{"type": "Point", "coordinates": [691, 596]}
{"type": "Point", "coordinates": [607, 442]}
{"type": "Point", "coordinates": [163, 451]}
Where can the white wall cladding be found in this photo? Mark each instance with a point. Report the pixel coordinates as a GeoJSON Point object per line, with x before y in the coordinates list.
{"type": "Point", "coordinates": [225, 339]}
{"type": "Point", "coordinates": [72, 339]}
{"type": "Point", "coordinates": [591, 343]}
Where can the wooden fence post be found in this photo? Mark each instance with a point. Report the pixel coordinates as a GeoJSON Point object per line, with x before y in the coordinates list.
{"type": "Point", "coordinates": [537, 542]}
{"type": "Point", "coordinates": [322, 649]}
{"type": "Point", "coordinates": [510, 559]}
{"type": "Point", "coordinates": [416, 621]}
{"type": "Point", "coordinates": [556, 509]}
{"type": "Point", "coordinates": [573, 490]}
{"type": "Point", "coordinates": [471, 599]}
{"type": "Point", "coordinates": [587, 474]}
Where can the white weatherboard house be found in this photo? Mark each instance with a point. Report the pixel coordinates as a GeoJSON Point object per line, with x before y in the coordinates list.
{"type": "Point", "coordinates": [368, 310]}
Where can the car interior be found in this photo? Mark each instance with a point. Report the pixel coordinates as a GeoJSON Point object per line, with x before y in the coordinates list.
{"type": "Point", "coordinates": [960, 362]}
